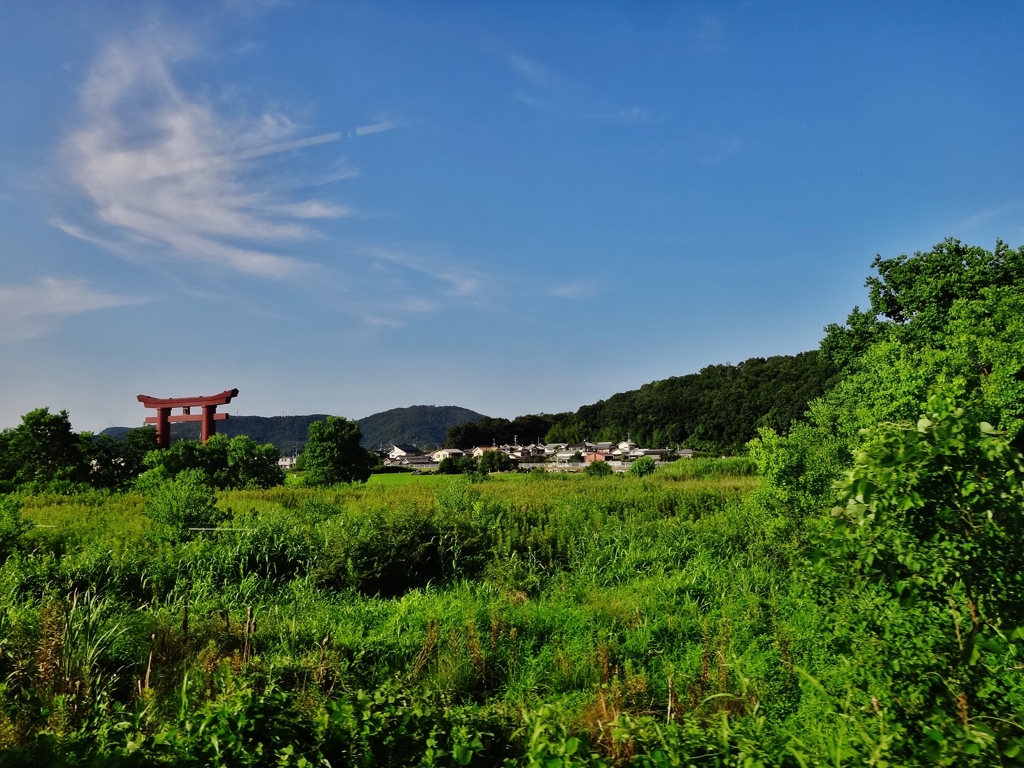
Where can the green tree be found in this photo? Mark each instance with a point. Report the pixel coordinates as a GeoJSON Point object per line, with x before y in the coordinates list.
{"type": "Point", "coordinates": [448, 466]}
{"type": "Point", "coordinates": [933, 512]}
{"type": "Point", "coordinates": [238, 462]}
{"type": "Point", "coordinates": [333, 454]}
{"type": "Point", "coordinates": [116, 463]}
{"type": "Point", "coordinates": [911, 297]}
{"type": "Point", "coordinates": [251, 465]}
{"type": "Point", "coordinates": [497, 461]}
{"type": "Point", "coordinates": [979, 354]}
{"type": "Point", "coordinates": [598, 469]}
{"type": "Point", "coordinates": [43, 449]}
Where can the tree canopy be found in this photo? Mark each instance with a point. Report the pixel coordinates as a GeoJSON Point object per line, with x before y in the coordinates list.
{"type": "Point", "coordinates": [498, 431]}
{"type": "Point", "coordinates": [911, 297]}
{"type": "Point", "coordinates": [45, 452]}
{"type": "Point", "coordinates": [238, 462]}
{"type": "Point", "coordinates": [333, 454]}
{"type": "Point", "coordinates": [717, 409]}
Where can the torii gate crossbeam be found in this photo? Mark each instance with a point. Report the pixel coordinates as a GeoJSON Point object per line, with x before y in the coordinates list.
{"type": "Point", "coordinates": [164, 405]}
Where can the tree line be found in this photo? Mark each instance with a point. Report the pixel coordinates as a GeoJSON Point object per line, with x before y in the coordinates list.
{"type": "Point", "coordinates": [44, 454]}
{"type": "Point", "coordinates": [718, 409]}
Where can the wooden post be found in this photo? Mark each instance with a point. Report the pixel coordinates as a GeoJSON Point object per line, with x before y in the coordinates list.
{"type": "Point", "coordinates": [163, 428]}
{"type": "Point", "coordinates": [209, 425]}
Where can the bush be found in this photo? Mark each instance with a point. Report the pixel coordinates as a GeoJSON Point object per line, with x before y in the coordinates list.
{"type": "Point", "coordinates": [12, 524]}
{"type": "Point", "coordinates": [183, 503]}
{"type": "Point", "coordinates": [642, 467]}
{"type": "Point", "coordinates": [598, 469]}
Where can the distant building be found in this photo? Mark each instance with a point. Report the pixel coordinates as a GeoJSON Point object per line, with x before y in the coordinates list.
{"type": "Point", "coordinates": [401, 451]}
{"type": "Point", "coordinates": [447, 453]}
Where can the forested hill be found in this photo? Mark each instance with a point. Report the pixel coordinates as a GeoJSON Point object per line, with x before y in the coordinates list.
{"type": "Point", "coordinates": [718, 409]}
{"type": "Point", "coordinates": [420, 425]}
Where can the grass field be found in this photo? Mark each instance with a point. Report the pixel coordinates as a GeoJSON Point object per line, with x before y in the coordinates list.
{"type": "Point", "coordinates": [535, 620]}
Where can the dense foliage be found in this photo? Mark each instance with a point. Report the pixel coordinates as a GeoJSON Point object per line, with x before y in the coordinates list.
{"type": "Point", "coordinates": [718, 409]}
{"type": "Point", "coordinates": [424, 426]}
{"type": "Point", "coordinates": [286, 433]}
{"type": "Point", "coordinates": [497, 431]}
{"type": "Point", "coordinates": [333, 453]}
{"type": "Point", "coordinates": [237, 462]}
{"type": "Point", "coordinates": [44, 452]}
{"type": "Point", "coordinates": [911, 297]}
{"type": "Point", "coordinates": [421, 425]}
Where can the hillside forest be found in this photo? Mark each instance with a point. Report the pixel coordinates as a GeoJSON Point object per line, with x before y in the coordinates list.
{"type": "Point", "coordinates": [846, 591]}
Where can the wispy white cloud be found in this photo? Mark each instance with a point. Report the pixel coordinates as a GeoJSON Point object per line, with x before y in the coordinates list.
{"type": "Point", "coordinates": [987, 214]}
{"type": "Point", "coordinates": [710, 150]}
{"type": "Point", "coordinates": [633, 115]}
{"type": "Point", "coordinates": [710, 36]}
{"type": "Point", "coordinates": [536, 74]}
{"type": "Point", "coordinates": [541, 87]}
{"type": "Point", "coordinates": [575, 290]}
{"type": "Point", "coordinates": [366, 130]}
{"type": "Point", "coordinates": [163, 168]}
{"type": "Point", "coordinates": [456, 282]}
{"type": "Point", "coordinates": [33, 310]}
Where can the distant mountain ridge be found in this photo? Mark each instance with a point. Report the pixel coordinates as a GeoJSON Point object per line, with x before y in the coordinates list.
{"type": "Point", "coordinates": [421, 425]}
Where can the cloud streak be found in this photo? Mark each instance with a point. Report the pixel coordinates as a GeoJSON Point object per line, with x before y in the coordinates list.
{"type": "Point", "coordinates": [162, 168]}
{"type": "Point", "coordinates": [543, 88]}
{"type": "Point", "coordinates": [574, 290]}
{"type": "Point", "coordinates": [33, 310]}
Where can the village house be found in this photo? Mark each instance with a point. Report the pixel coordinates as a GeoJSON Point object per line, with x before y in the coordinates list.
{"type": "Point", "coordinates": [446, 453]}
{"type": "Point", "coordinates": [401, 451]}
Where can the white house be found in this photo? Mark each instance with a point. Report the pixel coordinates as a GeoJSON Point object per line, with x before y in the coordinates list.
{"type": "Point", "coordinates": [401, 451]}
{"type": "Point", "coordinates": [446, 453]}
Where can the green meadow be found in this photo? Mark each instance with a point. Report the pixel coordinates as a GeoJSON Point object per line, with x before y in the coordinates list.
{"type": "Point", "coordinates": [531, 619]}
{"type": "Point", "coordinates": [425, 621]}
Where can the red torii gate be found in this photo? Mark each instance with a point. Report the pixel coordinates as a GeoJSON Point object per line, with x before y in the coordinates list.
{"type": "Point", "coordinates": [163, 418]}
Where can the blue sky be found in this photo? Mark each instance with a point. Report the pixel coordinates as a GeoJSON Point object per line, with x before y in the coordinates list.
{"type": "Point", "coordinates": [348, 207]}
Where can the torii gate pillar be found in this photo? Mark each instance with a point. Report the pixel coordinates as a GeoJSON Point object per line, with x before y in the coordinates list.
{"type": "Point", "coordinates": [163, 418]}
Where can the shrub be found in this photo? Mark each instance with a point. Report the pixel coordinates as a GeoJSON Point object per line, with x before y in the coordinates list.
{"type": "Point", "coordinates": [642, 467]}
{"type": "Point", "coordinates": [12, 525]}
{"type": "Point", "coordinates": [597, 469]}
{"type": "Point", "coordinates": [183, 503]}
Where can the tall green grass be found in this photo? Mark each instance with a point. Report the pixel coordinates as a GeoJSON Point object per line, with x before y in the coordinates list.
{"type": "Point", "coordinates": [526, 620]}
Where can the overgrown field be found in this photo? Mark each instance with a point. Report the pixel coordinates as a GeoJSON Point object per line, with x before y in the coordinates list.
{"type": "Point", "coordinates": [542, 620]}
